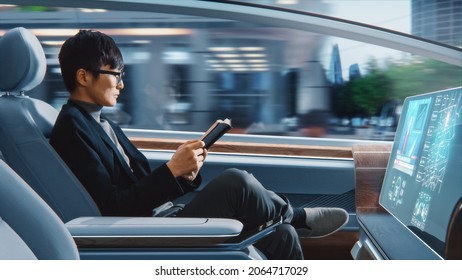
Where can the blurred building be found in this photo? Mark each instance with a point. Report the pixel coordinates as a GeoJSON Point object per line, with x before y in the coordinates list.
{"type": "Point", "coordinates": [184, 71]}
{"type": "Point", "coordinates": [354, 71]}
{"type": "Point", "coordinates": [335, 70]}
{"type": "Point", "coordinates": [439, 20]}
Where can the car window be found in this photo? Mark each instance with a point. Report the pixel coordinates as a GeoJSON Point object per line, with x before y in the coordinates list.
{"type": "Point", "coordinates": [435, 20]}
{"type": "Point", "coordinates": [183, 72]}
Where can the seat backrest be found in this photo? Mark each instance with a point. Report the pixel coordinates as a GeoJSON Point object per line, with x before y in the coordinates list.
{"type": "Point", "coordinates": [12, 247]}
{"type": "Point", "coordinates": [26, 122]}
{"type": "Point", "coordinates": [28, 226]}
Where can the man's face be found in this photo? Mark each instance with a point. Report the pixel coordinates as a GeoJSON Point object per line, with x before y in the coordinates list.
{"type": "Point", "coordinates": [105, 89]}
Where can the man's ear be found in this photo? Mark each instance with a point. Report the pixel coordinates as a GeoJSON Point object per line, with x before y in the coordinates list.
{"type": "Point", "coordinates": [81, 77]}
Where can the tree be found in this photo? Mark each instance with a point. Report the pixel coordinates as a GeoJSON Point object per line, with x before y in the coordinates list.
{"type": "Point", "coordinates": [421, 76]}
{"type": "Point", "coordinates": [371, 92]}
{"type": "Point", "coordinates": [367, 94]}
{"type": "Point", "coordinates": [362, 96]}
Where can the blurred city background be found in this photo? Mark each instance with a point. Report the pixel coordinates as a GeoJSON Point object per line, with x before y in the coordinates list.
{"type": "Point", "coordinates": [183, 72]}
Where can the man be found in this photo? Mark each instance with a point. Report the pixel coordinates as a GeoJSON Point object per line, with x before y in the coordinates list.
{"type": "Point", "coordinates": [118, 176]}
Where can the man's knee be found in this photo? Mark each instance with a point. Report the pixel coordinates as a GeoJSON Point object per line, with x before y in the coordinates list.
{"type": "Point", "coordinates": [237, 178]}
{"type": "Point", "coordinates": [235, 173]}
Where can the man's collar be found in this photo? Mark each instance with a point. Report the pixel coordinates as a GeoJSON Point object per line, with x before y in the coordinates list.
{"type": "Point", "coordinates": [93, 109]}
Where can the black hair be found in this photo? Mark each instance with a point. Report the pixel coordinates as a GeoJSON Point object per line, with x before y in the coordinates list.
{"type": "Point", "coordinates": [90, 50]}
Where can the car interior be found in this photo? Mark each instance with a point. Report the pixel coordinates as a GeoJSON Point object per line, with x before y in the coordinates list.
{"type": "Point", "coordinates": [25, 123]}
{"type": "Point", "coordinates": [415, 194]}
{"type": "Point", "coordinates": [46, 213]}
{"type": "Point", "coordinates": [29, 228]}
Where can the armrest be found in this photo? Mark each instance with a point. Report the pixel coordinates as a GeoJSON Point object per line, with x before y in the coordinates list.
{"type": "Point", "coordinates": [120, 232]}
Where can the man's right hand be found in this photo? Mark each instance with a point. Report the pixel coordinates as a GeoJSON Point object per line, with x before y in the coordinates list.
{"type": "Point", "coordinates": [188, 160]}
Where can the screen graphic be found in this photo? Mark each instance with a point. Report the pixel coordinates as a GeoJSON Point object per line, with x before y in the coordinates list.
{"type": "Point", "coordinates": [423, 181]}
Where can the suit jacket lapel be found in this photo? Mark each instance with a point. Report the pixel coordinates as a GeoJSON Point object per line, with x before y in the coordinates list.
{"type": "Point", "coordinates": [113, 146]}
{"type": "Point", "coordinates": [97, 127]}
{"type": "Point", "coordinates": [137, 160]}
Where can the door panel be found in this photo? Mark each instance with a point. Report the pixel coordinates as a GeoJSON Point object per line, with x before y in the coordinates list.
{"type": "Point", "coordinates": [292, 175]}
{"type": "Point", "coordinates": [306, 181]}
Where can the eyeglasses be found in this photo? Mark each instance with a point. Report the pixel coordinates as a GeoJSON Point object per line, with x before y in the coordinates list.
{"type": "Point", "coordinates": [118, 75]}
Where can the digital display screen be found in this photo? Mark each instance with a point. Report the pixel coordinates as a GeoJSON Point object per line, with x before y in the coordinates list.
{"type": "Point", "coordinates": [423, 181]}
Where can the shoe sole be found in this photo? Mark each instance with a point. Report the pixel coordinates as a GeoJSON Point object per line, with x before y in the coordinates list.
{"type": "Point", "coordinates": [304, 232]}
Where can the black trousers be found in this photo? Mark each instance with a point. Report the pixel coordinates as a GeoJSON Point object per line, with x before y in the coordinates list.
{"type": "Point", "coordinates": [239, 195]}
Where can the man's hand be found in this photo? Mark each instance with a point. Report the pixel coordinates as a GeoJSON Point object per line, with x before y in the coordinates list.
{"type": "Point", "coordinates": [188, 160]}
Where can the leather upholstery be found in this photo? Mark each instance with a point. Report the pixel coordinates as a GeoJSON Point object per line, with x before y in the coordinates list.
{"type": "Point", "coordinates": [26, 122]}
{"type": "Point", "coordinates": [12, 247]}
{"type": "Point", "coordinates": [32, 220]}
{"type": "Point", "coordinates": [21, 49]}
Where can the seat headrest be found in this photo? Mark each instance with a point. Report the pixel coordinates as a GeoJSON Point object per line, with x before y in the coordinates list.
{"type": "Point", "coordinates": [22, 61]}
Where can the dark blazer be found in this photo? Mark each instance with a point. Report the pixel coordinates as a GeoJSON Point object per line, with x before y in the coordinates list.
{"type": "Point", "coordinates": [118, 189]}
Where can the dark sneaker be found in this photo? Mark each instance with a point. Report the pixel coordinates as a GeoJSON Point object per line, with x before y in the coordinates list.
{"type": "Point", "coordinates": [321, 221]}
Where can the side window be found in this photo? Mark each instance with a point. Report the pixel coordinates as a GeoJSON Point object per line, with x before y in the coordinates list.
{"type": "Point", "coordinates": [184, 72]}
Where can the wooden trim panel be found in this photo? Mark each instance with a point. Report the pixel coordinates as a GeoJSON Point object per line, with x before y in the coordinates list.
{"type": "Point", "coordinates": [336, 246]}
{"type": "Point", "coordinates": [249, 148]}
{"type": "Point", "coordinates": [370, 165]}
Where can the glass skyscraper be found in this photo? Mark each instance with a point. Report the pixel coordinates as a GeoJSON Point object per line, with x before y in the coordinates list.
{"type": "Point", "coordinates": [438, 20]}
